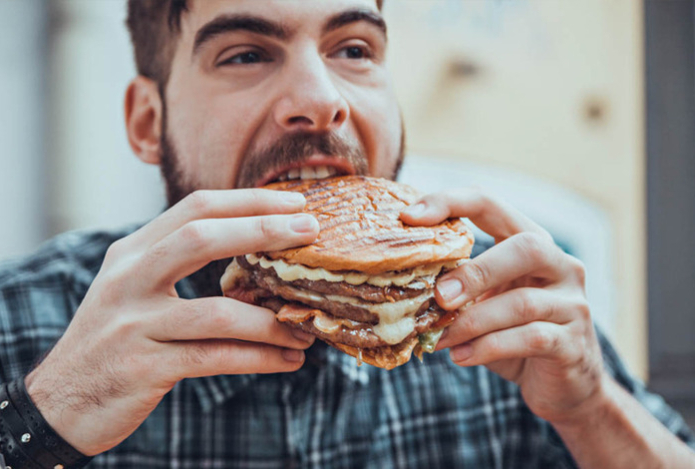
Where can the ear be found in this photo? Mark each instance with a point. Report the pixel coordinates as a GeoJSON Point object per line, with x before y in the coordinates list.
{"type": "Point", "coordinates": [143, 119]}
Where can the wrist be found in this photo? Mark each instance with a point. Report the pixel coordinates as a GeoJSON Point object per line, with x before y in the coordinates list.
{"type": "Point", "coordinates": [589, 413]}
{"type": "Point", "coordinates": [52, 404]}
{"type": "Point", "coordinates": [27, 439]}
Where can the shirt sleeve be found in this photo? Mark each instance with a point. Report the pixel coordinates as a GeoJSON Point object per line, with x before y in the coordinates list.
{"type": "Point", "coordinates": [654, 403]}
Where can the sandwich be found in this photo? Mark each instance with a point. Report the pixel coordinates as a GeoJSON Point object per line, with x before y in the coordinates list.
{"type": "Point", "coordinates": [366, 285]}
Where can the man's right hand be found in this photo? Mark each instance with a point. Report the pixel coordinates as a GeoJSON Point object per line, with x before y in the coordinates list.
{"type": "Point", "coordinates": [132, 338]}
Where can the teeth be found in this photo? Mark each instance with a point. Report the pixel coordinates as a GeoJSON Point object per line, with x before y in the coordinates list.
{"type": "Point", "coordinates": [307, 172]}
{"type": "Point", "coordinates": [321, 172]}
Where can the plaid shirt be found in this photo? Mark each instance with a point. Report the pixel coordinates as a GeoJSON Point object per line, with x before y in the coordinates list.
{"type": "Point", "coordinates": [330, 413]}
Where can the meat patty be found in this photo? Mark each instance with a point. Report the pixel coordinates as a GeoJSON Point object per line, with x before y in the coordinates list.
{"type": "Point", "coordinates": [361, 335]}
{"type": "Point", "coordinates": [264, 283]}
{"type": "Point", "coordinates": [364, 291]}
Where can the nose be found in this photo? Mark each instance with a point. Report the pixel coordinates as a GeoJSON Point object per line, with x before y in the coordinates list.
{"type": "Point", "coordinates": [309, 100]}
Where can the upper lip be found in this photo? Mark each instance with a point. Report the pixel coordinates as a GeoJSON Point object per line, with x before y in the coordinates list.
{"type": "Point", "coordinates": [343, 166]}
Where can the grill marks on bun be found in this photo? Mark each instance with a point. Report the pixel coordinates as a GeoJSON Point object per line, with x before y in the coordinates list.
{"type": "Point", "coordinates": [361, 228]}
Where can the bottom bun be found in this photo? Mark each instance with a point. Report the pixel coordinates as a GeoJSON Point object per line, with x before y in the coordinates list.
{"type": "Point", "coordinates": [387, 357]}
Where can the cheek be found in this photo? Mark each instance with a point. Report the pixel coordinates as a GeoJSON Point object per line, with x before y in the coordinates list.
{"type": "Point", "coordinates": [377, 119]}
{"type": "Point", "coordinates": [209, 139]}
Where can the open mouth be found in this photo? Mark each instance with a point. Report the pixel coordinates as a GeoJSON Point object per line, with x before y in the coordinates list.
{"type": "Point", "coordinates": [313, 168]}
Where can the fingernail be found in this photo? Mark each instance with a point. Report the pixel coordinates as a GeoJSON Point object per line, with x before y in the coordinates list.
{"type": "Point", "coordinates": [461, 353]}
{"type": "Point", "coordinates": [450, 289]}
{"type": "Point", "coordinates": [292, 355]}
{"type": "Point", "coordinates": [303, 336]}
{"type": "Point", "coordinates": [303, 224]}
{"type": "Point", "coordinates": [416, 210]}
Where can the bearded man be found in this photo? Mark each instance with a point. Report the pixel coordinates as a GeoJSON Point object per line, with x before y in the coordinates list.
{"type": "Point", "coordinates": [118, 346]}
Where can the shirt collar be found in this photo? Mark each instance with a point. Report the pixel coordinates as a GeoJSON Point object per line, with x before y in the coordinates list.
{"type": "Point", "coordinates": [213, 391]}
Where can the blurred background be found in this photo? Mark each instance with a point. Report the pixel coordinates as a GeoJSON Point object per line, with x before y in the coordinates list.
{"type": "Point", "coordinates": [582, 114]}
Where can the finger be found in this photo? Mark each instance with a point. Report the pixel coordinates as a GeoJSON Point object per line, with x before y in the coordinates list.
{"type": "Point", "coordinates": [199, 242]}
{"type": "Point", "coordinates": [205, 204]}
{"type": "Point", "coordinates": [521, 255]}
{"type": "Point", "coordinates": [224, 318]}
{"type": "Point", "coordinates": [508, 310]}
{"type": "Point", "coordinates": [537, 339]}
{"type": "Point", "coordinates": [492, 215]}
{"type": "Point", "coordinates": [214, 357]}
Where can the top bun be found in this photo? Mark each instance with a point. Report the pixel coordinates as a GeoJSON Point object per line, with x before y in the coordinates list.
{"type": "Point", "coordinates": [361, 228]}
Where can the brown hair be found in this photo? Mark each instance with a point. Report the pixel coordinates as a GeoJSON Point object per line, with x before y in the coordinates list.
{"type": "Point", "coordinates": [154, 26]}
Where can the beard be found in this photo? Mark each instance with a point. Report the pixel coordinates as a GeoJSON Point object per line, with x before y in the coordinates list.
{"type": "Point", "coordinates": [289, 149]}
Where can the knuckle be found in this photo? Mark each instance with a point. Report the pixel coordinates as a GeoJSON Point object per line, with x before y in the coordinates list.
{"type": "Point", "coordinates": [199, 202]}
{"type": "Point", "coordinates": [219, 317]}
{"type": "Point", "coordinates": [266, 228]}
{"type": "Point", "coordinates": [493, 346]}
{"type": "Point", "coordinates": [115, 251]}
{"type": "Point", "coordinates": [126, 325]}
{"type": "Point", "coordinates": [474, 276]}
{"type": "Point", "coordinates": [438, 198]}
{"type": "Point", "coordinates": [526, 306]}
{"type": "Point", "coordinates": [178, 318]}
{"type": "Point", "coordinates": [533, 245]}
{"type": "Point", "coordinates": [485, 198]}
{"type": "Point", "coordinates": [578, 268]}
{"type": "Point", "coordinates": [543, 341]}
{"type": "Point", "coordinates": [584, 310]}
{"type": "Point", "coordinates": [195, 234]}
{"type": "Point", "coordinates": [468, 323]}
{"type": "Point", "coordinates": [195, 354]}
{"type": "Point", "coordinates": [257, 197]}
{"type": "Point", "coordinates": [154, 255]}
{"type": "Point", "coordinates": [112, 282]}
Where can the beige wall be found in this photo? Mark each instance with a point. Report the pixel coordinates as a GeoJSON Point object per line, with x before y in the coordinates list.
{"type": "Point", "coordinates": [553, 89]}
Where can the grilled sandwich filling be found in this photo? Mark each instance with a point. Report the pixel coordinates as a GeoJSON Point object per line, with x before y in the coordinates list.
{"type": "Point", "coordinates": [345, 307]}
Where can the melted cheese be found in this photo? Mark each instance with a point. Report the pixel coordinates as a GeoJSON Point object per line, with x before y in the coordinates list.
{"type": "Point", "coordinates": [330, 324]}
{"type": "Point", "coordinates": [395, 332]}
{"type": "Point", "coordinates": [387, 312]}
{"type": "Point", "coordinates": [392, 333]}
{"type": "Point", "coordinates": [396, 320]}
{"type": "Point", "coordinates": [419, 278]}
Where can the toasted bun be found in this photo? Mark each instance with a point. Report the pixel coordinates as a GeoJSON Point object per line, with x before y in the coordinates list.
{"type": "Point", "coordinates": [361, 228]}
{"type": "Point", "coordinates": [383, 357]}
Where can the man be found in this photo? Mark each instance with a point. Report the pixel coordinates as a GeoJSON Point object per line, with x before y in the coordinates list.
{"type": "Point", "coordinates": [230, 94]}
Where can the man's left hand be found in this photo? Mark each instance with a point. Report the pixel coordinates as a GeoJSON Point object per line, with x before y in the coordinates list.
{"type": "Point", "coordinates": [527, 317]}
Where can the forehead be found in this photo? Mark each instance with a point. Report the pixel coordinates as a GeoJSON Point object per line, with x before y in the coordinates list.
{"type": "Point", "coordinates": [292, 13]}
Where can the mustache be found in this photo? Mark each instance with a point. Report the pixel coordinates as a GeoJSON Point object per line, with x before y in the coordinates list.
{"type": "Point", "coordinates": [295, 148]}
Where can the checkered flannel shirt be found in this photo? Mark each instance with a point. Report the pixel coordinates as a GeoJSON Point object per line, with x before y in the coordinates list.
{"type": "Point", "coordinates": [329, 414]}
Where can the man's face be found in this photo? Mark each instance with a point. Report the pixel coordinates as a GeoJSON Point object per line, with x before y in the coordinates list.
{"type": "Point", "coordinates": [259, 88]}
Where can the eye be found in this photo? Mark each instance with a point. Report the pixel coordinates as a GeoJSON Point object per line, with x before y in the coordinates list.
{"type": "Point", "coordinates": [245, 58]}
{"type": "Point", "coordinates": [353, 52]}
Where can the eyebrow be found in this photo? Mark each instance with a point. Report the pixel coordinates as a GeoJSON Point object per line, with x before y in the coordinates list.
{"type": "Point", "coordinates": [230, 23]}
{"type": "Point", "coordinates": [254, 24]}
{"type": "Point", "coordinates": [354, 16]}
